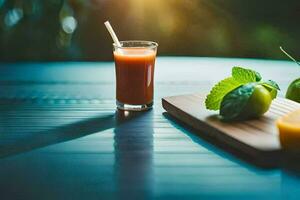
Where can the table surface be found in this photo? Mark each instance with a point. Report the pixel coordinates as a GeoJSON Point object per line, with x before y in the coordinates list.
{"type": "Point", "coordinates": [62, 138]}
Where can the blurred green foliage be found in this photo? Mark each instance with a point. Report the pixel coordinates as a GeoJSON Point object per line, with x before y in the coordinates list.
{"type": "Point", "coordinates": [73, 29]}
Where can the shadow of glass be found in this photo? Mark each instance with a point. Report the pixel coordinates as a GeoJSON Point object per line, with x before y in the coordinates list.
{"type": "Point", "coordinates": [30, 141]}
{"type": "Point", "coordinates": [133, 144]}
{"type": "Point", "coordinates": [22, 140]}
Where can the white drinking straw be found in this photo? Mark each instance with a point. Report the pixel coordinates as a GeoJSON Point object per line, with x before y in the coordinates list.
{"type": "Point", "coordinates": [112, 33]}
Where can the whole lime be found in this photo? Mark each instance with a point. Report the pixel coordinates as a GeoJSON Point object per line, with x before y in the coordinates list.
{"type": "Point", "coordinates": [293, 92]}
{"type": "Point", "coordinates": [258, 103]}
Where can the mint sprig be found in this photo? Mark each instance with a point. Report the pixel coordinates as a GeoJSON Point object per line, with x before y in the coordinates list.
{"type": "Point", "coordinates": [234, 102]}
{"type": "Point", "coordinates": [240, 76]}
{"type": "Point", "coordinates": [245, 76]}
{"type": "Point", "coordinates": [214, 98]}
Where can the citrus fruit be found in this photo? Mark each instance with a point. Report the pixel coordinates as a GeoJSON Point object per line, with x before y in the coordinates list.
{"type": "Point", "coordinates": [293, 92]}
{"type": "Point", "coordinates": [289, 131]}
{"type": "Point", "coordinates": [258, 103]}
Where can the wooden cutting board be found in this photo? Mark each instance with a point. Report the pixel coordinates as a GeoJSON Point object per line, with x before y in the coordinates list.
{"type": "Point", "coordinates": [256, 139]}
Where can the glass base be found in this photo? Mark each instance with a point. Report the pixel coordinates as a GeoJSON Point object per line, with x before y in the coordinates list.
{"type": "Point", "coordinates": [130, 107]}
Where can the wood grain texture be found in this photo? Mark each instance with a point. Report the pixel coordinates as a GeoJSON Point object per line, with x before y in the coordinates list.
{"type": "Point", "coordinates": [257, 137]}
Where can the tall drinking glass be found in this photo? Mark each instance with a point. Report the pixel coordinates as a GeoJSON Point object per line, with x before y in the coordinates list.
{"type": "Point", "coordinates": [134, 63]}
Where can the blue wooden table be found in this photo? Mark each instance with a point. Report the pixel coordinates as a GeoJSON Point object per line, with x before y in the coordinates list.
{"type": "Point", "coordinates": [62, 138]}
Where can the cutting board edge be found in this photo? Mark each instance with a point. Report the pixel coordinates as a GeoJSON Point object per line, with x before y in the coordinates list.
{"type": "Point", "coordinates": [269, 157]}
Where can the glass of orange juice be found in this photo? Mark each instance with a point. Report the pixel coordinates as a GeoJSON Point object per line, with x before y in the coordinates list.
{"type": "Point", "coordinates": [134, 65]}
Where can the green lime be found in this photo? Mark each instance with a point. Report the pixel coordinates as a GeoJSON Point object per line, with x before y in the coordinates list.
{"type": "Point", "coordinates": [273, 93]}
{"type": "Point", "coordinates": [258, 103]}
{"type": "Point", "coordinates": [293, 92]}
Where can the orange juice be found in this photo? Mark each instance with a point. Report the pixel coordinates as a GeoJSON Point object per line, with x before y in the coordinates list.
{"type": "Point", "coordinates": [134, 75]}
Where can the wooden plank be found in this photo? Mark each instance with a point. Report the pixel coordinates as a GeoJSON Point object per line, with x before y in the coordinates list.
{"type": "Point", "coordinates": [257, 138]}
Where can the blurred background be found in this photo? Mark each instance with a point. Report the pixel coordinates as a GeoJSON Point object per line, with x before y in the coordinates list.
{"type": "Point", "coordinates": [52, 30]}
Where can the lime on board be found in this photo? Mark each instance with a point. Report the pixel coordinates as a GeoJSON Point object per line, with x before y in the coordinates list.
{"type": "Point", "coordinates": [247, 101]}
{"type": "Point", "coordinates": [259, 102]}
{"type": "Point", "coordinates": [293, 92]}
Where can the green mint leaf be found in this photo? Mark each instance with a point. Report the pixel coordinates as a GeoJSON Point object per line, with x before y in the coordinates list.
{"type": "Point", "coordinates": [257, 76]}
{"type": "Point", "coordinates": [245, 76]}
{"type": "Point", "coordinates": [235, 101]}
{"type": "Point", "coordinates": [272, 87]}
{"type": "Point", "coordinates": [271, 84]}
{"type": "Point", "coordinates": [214, 98]}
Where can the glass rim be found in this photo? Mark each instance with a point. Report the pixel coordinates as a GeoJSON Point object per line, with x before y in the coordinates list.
{"type": "Point", "coordinates": [143, 44]}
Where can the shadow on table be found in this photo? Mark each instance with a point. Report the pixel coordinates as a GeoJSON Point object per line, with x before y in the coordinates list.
{"type": "Point", "coordinates": [219, 148]}
{"type": "Point", "coordinates": [291, 164]}
{"type": "Point", "coordinates": [288, 162]}
{"type": "Point", "coordinates": [23, 140]}
{"type": "Point", "coordinates": [30, 141]}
